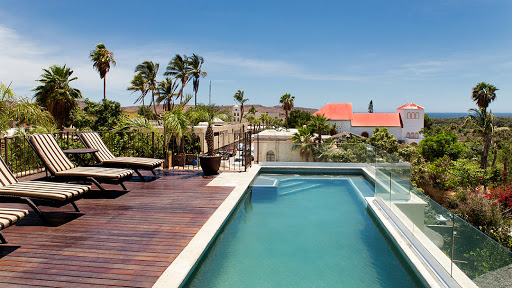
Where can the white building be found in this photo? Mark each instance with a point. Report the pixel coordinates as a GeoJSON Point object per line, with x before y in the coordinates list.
{"type": "Point", "coordinates": [237, 113]}
{"type": "Point", "coordinates": [405, 124]}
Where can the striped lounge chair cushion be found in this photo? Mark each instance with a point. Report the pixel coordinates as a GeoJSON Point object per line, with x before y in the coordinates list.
{"type": "Point", "coordinates": [44, 190]}
{"type": "Point", "coordinates": [96, 172]}
{"type": "Point", "coordinates": [149, 163]}
{"type": "Point", "coordinates": [50, 153]}
{"type": "Point", "coordinates": [10, 216]}
{"type": "Point", "coordinates": [93, 140]}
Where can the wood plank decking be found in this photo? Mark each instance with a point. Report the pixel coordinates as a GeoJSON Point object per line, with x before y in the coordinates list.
{"type": "Point", "coordinates": [118, 239]}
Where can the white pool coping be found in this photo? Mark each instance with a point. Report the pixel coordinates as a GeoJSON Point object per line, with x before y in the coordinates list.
{"type": "Point", "coordinates": [180, 268]}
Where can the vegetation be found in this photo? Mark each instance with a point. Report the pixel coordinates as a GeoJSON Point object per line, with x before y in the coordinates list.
{"type": "Point", "coordinates": [286, 102]}
{"type": "Point", "coordinates": [196, 62]}
{"type": "Point", "coordinates": [102, 58]}
{"type": "Point", "coordinates": [103, 116]}
{"type": "Point", "coordinates": [18, 111]}
{"type": "Point", "coordinates": [298, 118]}
{"type": "Point", "coordinates": [56, 95]}
{"type": "Point", "coordinates": [207, 113]}
{"type": "Point", "coordinates": [239, 97]}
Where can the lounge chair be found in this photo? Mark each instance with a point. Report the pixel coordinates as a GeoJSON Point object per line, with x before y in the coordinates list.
{"type": "Point", "coordinates": [61, 168]}
{"type": "Point", "coordinates": [37, 192]}
{"type": "Point", "coordinates": [106, 158]}
{"type": "Point", "coordinates": [8, 217]}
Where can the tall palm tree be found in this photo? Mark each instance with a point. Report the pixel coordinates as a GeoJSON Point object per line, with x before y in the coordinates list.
{"type": "Point", "coordinates": [287, 104]}
{"type": "Point", "coordinates": [138, 83]}
{"type": "Point", "coordinates": [102, 58]}
{"type": "Point", "coordinates": [483, 94]}
{"type": "Point", "coordinates": [56, 94]}
{"type": "Point", "coordinates": [239, 97]}
{"type": "Point", "coordinates": [196, 62]}
{"type": "Point", "coordinates": [179, 68]}
{"type": "Point", "coordinates": [166, 91]}
{"type": "Point", "coordinates": [148, 70]}
{"type": "Point", "coordinates": [484, 126]}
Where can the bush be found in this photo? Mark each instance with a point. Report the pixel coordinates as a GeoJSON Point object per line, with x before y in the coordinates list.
{"type": "Point", "coordinates": [479, 210]}
{"type": "Point", "coordinates": [443, 143]}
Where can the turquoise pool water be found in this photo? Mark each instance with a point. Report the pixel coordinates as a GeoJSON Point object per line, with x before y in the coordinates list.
{"type": "Point", "coordinates": [309, 231]}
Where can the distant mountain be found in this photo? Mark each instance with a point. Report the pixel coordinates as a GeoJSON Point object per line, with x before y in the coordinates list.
{"type": "Point", "coordinates": [259, 108]}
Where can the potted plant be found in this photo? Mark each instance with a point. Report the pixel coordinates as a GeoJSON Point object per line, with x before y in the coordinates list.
{"type": "Point", "coordinates": [210, 162]}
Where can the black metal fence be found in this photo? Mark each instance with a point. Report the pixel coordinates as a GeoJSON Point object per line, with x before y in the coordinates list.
{"type": "Point", "coordinates": [178, 153]}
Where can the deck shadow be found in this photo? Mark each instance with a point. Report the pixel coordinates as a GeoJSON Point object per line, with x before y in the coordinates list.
{"type": "Point", "coordinates": [7, 249]}
{"type": "Point", "coordinates": [107, 194]}
{"type": "Point", "coordinates": [55, 218]}
{"type": "Point", "coordinates": [146, 179]}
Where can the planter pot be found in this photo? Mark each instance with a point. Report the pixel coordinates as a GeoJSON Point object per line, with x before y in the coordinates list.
{"type": "Point", "coordinates": [210, 164]}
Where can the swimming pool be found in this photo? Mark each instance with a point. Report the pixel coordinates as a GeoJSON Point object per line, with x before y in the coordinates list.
{"type": "Point", "coordinates": [303, 231]}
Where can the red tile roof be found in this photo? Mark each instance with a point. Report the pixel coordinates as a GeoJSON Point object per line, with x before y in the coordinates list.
{"type": "Point", "coordinates": [377, 119]}
{"type": "Point", "coordinates": [336, 111]}
{"type": "Point", "coordinates": [410, 106]}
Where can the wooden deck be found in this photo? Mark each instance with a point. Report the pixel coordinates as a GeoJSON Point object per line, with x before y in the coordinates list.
{"type": "Point", "coordinates": [118, 239]}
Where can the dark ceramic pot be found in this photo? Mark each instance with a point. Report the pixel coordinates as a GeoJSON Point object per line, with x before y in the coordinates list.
{"type": "Point", "coordinates": [210, 164]}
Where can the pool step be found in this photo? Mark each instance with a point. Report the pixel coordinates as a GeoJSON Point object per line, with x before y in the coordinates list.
{"type": "Point", "coordinates": [297, 190]}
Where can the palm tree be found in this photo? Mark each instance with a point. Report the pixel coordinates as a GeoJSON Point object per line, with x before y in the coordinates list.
{"type": "Point", "coordinates": [319, 125]}
{"type": "Point", "coordinates": [287, 103]}
{"type": "Point", "coordinates": [239, 97]}
{"type": "Point", "coordinates": [148, 70]}
{"type": "Point", "coordinates": [166, 91]}
{"type": "Point", "coordinates": [102, 58]}
{"type": "Point", "coordinates": [483, 94]}
{"type": "Point", "coordinates": [206, 113]}
{"type": "Point", "coordinates": [138, 83]}
{"type": "Point", "coordinates": [56, 95]}
{"type": "Point", "coordinates": [179, 68]}
{"type": "Point", "coordinates": [196, 62]}
{"type": "Point", "coordinates": [303, 142]}
{"type": "Point", "coordinates": [484, 126]}
{"type": "Point", "coordinates": [22, 111]}
{"type": "Point", "coordinates": [264, 119]}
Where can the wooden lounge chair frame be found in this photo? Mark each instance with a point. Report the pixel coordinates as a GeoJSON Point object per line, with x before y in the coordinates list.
{"type": "Point", "coordinates": [107, 159]}
{"type": "Point", "coordinates": [34, 201]}
{"type": "Point", "coordinates": [66, 178]}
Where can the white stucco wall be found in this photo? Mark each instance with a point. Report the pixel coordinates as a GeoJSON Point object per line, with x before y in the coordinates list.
{"type": "Point", "coordinates": [395, 131]}
{"type": "Point", "coordinates": [413, 121]}
{"type": "Point", "coordinates": [341, 125]}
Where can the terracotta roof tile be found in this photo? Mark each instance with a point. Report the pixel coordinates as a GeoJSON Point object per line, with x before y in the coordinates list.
{"type": "Point", "coordinates": [336, 111]}
{"type": "Point", "coordinates": [376, 119]}
{"type": "Point", "coordinates": [410, 106]}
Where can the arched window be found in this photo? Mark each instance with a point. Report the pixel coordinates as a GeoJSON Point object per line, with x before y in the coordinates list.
{"type": "Point", "coordinates": [417, 115]}
{"type": "Point", "coordinates": [271, 156]}
{"type": "Point", "coordinates": [408, 135]}
{"type": "Point", "coordinates": [416, 135]}
{"type": "Point", "coordinates": [408, 115]}
{"type": "Point", "coordinates": [365, 134]}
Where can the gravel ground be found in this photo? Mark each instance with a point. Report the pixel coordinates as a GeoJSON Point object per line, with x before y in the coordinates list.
{"type": "Point", "coordinates": [500, 278]}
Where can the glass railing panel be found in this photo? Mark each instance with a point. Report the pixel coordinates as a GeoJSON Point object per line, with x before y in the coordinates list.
{"type": "Point", "coordinates": [436, 229]}
{"type": "Point", "coordinates": [478, 256]}
{"type": "Point", "coordinates": [383, 184]}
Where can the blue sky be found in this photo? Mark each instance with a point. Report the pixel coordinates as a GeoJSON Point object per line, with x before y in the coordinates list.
{"type": "Point", "coordinates": [392, 52]}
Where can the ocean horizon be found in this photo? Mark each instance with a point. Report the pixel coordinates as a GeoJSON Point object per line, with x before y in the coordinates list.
{"type": "Point", "coordinates": [460, 114]}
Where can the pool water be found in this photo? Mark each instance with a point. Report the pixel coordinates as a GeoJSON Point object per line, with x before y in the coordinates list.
{"type": "Point", "coordinates": [310, 231]}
